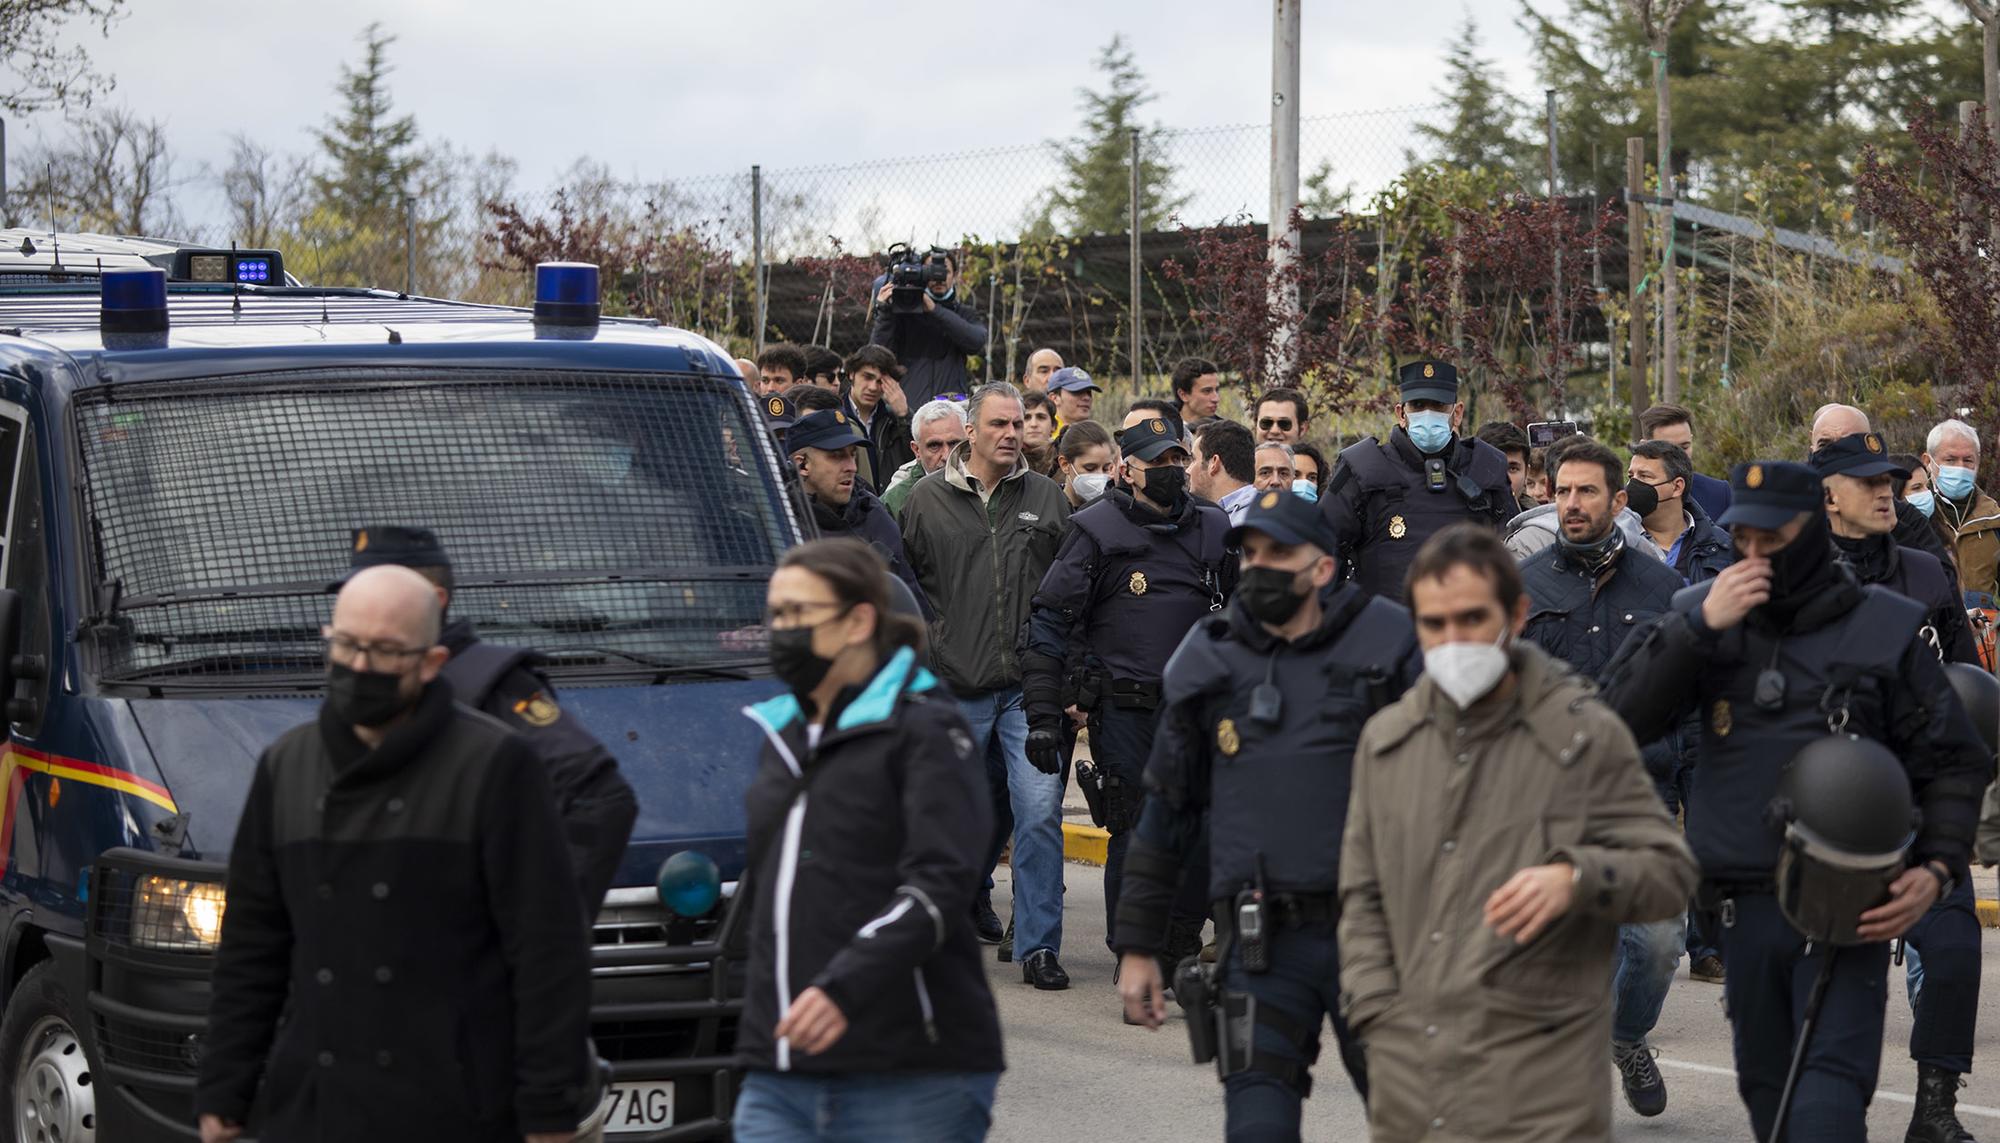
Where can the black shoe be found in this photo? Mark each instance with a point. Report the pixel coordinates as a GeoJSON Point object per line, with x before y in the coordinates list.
{"type": "Point", "coordinates": [1645, 1090]}
{"type": "Point", "coordinates": [1005, 954]}
{"type": "Point", "coordinates": [1708, 970]}
{"type": "Point", "coordinates": [985, 921]}
{"type": "Point", "coordinates": [1042, 971]}
{"type": "Point", "coordinates": [1936, 1117]}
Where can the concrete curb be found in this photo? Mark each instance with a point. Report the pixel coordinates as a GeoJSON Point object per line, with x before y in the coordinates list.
{"type": "Point", "coordinates": [1989, 913]}
{"type": "Point", "coordinates": [1087, 845]}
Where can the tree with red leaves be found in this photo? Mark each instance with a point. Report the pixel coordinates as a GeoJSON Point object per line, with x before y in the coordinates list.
{"type": "Point", "coordinates": [1946, 222]}
{"type": "Point", "coordinates": [1233, 291]}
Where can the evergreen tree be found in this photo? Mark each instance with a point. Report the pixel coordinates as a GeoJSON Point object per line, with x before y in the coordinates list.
{"type": "Point", "coordinates": [1479, 132]}
{"type": "Point", "coordinates": [1094, 196]}
{"type": "Point", "coordinates": [372, 156]}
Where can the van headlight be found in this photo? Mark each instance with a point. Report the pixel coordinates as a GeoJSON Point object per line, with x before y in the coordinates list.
{"type": "Point", "coordinates": [173, 915]}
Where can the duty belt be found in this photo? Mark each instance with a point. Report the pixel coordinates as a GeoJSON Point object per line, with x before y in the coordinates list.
{"type": "Point", "coordinates": [1289, 910]}
{"type": "Point", "coordinates": [1719, 896]}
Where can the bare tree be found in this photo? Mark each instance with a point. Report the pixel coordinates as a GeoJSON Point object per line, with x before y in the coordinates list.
{"type": "Point", "coordinates": [1656, 19]}
{"type": "Point", "coordinates": [1988, 15]}
{"type": "Point", "coordinates": [114, 173]}
{"type": "Point", "coordinates": [41, 72]}
{"type": "Point", "coordinates": [265, 191]}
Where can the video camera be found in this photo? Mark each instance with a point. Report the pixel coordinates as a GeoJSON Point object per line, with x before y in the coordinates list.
{"type": "Point", "coordinates": [911, 273]}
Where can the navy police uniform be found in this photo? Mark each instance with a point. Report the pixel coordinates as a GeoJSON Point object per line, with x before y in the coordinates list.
{"type": "Point", "coordinates": [1258, 733]}
{"type": "Point", "coordinates": [863, 516]}
{"type": "Point", "coordinates": [1387, 497]}
{"type": "Point", "coordinates": [1824, 655]}
{"type": "Point", "coordinates": [1947, 940]}
{"type": "Point", "coordinates": [595, 803]}
{"type": "Point", "coordinates": [1130, 580]}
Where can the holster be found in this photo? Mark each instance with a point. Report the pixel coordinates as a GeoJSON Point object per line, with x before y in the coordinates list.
{"type": "Point", "coordinates": [1236, 1034]}
{"type": "Point", "coordinates": [1089, 686]}
{"type": "Point", "coordinates": [1196, 992]}
{"type": "Point", "coordinates": [1122, 801]}
{"type": "Point", "coordinates": [1089, 780]}
{"type": "Point", "coordinates": [1131, 694]}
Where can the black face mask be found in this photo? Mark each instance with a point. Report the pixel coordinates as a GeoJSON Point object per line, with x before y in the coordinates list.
{"type": "Point", "coordinates": [794, 661]}
{"type": "Point", "coordinates": [1270, 595]}
{"type": "Point", "coordinates": [1164, 485]}
{"type": "Point", "coordinates": [1641, 497]}
{"type": "Point", "coordinates": [364, 698]}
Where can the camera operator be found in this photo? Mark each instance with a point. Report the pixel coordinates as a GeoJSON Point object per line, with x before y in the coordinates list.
{"type": "Point", "coordinates": [921, 319]}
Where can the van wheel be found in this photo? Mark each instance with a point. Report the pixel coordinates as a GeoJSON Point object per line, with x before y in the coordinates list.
{"type": "Point", "coordinates": [51, 1089]}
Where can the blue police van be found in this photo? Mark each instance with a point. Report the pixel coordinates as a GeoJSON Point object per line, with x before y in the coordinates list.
{"type": "Point", "coordinates": [183, 460]}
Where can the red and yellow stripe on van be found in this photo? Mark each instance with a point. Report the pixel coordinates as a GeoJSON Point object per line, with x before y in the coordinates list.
{"type": "Point", "coordinates": [17, 762]}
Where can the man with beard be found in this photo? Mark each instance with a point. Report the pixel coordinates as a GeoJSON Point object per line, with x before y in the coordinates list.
{"type": "Point", "coordinates": [1137, 570]}
{"type": "Point", "coordinates": [1781, 650]}
{"type": "Point", "coordinates": [1587, 592]}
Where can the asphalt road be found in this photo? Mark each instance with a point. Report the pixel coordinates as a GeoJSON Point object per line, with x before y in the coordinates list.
{"type": "Point", "coordinates": [1075, 1071]}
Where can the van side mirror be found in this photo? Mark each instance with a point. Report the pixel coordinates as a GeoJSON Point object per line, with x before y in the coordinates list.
{"type": "Point", "coordinates": [14, 666]}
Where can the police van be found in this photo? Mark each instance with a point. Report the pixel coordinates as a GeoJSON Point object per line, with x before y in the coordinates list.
{"type": "Point", "coordinates": [188, 438]}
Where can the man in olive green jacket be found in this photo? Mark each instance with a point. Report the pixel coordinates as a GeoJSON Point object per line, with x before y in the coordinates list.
{"type": "Point", "coordinates": [1501, 829]}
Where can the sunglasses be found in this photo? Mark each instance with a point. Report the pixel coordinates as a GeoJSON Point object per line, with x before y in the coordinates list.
{"type": "Point", "coordinates": [1281, 424]}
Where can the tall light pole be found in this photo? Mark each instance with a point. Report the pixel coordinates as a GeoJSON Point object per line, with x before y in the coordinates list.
{"type": "Point", "coordinates": [1284, 236]}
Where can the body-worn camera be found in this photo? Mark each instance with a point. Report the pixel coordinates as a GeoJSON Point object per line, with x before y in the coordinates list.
{"type": "Point", "coordinates": [911, 273]}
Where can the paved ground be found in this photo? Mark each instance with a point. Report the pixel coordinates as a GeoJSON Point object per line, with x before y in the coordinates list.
{"type": "Point", "coordinates": [1075, 1071]}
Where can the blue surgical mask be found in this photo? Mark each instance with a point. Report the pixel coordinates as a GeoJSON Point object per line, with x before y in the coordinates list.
{"type": "Point", "coordinates": [1954, 482]}
{"type": "Point", "coordinates": [1925, 501]}
{"type": "Point", "coordinates": [1305, 489]}
{"type": "Point", "coordinates": [1430, 430]}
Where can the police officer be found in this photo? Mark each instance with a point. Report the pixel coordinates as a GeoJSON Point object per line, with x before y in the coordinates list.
{"type": "Point", "coordinates": [595, 803]}
{"type": "Point", "coordinates": [1139, 567]}
{"type": "Point", "coordinates": [1860, 506]}
{"type": "Point", "coordinates": [1783, 648]}
{"type": "Point", "coordinates": [1387, 498]}
{"type": "Point", "coordinates": [1263, 705]}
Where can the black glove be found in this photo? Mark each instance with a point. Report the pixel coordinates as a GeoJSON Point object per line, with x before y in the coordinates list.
{"type": "Point", "coordinates": [1045, 749]}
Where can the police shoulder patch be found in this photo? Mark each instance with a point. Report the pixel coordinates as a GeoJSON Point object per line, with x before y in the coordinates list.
{"type": "Point", "coordinates": [538, 709]}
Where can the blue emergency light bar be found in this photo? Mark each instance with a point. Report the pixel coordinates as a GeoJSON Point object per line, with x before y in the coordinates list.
{"type": "Point", "coordinates": [566, 293]}
{"type": "Point", "coordinates": [134, 301]}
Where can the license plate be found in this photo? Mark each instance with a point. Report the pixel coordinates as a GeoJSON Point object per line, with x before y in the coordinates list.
{"type": "Point", "coordinates": [639, 1107]}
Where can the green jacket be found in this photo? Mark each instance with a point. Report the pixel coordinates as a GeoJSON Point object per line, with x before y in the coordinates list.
{"type": "Point", "coordinates": [898, 492]}
{"type": "Point", "coordinates": [980, 563]}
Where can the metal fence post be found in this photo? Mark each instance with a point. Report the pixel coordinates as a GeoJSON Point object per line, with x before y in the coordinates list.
{"type": "Point", "coordinates": [4, 216]}
{"type": "Point", "coordinates": [1286, 243]}
{"type": "Point", "coordinates": [757, 255]}
{"type": "Point", "coordinates": [1138, 307]}
{"type": "Point", "coordinates": [1557, 345]}
{"type": "Point", "coordinates": [409, 245]}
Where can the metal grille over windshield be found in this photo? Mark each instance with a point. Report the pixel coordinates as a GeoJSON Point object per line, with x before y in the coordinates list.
{"type": "Point", "coordinates": [615, 522]}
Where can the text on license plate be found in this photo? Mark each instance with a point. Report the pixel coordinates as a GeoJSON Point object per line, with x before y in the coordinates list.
{"type": "Point", "coordinates": [639, 1107]}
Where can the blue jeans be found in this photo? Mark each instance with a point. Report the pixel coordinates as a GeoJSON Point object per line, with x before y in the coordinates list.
{"type": "Point", "coordinates": [1037, 801]}
{"type": "Point", "coordinates": [1647, 956]}
{"type": "Point", "coordinates": [895, 1107]}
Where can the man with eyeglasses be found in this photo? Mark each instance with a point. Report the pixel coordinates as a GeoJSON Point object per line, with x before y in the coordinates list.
{"type": "Point", "coordinates": [401, 907]}
{"type": "Point", "coordinates": [593, 799]}
{"type": "Point", "coordinates": [1387, 497]}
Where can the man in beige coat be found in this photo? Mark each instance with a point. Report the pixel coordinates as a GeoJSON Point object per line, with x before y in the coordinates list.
{"type": "Point", "coordinates": [1501, 829]}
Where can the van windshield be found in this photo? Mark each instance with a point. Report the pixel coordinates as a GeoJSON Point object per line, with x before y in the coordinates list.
{"type": "Point", "coordinates": [620, 524]}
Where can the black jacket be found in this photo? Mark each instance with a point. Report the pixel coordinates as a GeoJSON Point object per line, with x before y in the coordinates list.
{"type": "Point", "coordinates": [865, 517]}
{"type": "Point", "coordinates": [1268, 792]}
{"type": "Point", "coordinates": [864, 853]}
{"type": "Point", "coordinates": [1915, 530]}
{"type": "Point", "coordinates": [983, 561]}
{"type": "Point", "coordinates": [593, 799]}
{"type": "Point", "coordinates": [1916, 575]}
{"type": "Point", "coordinates": [1705, 549]}
{"type": "Point", "coordinates": [404, 956]}
{"type": "Point", "coordinates": [931, 347]}
{"type": "Point", "coordinates": [1581, 618]}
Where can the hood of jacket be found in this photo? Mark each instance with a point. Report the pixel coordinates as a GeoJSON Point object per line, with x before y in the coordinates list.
{"type": "Point", "coordinates": [1539, 526]}
{"type": "Point", "coordinates": [959, 476]}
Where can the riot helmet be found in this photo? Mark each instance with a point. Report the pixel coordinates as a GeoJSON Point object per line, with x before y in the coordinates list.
{"type": "Point", "coordinates": [1848, 817]}
{"type": "Point", "coordinates": [1979, 692]}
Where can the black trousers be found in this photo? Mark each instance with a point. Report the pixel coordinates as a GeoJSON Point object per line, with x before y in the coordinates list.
{"type": "Point", "coordinates": [1121, 739]}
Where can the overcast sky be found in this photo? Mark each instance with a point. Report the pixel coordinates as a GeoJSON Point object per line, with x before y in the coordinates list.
{"type": "Point", "coordinates": [676, 88]}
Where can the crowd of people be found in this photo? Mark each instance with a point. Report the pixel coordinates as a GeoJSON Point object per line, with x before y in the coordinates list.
{"type": "Point", "coordinates": [1245, 629]}
{"type": "Point", "coordinates": [1454, 742]}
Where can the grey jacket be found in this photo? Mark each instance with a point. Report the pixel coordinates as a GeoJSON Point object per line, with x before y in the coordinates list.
{"type": "Point", "coordinates": [980, 562]}
{"type": "Point", "coordinates": [1536, 529]}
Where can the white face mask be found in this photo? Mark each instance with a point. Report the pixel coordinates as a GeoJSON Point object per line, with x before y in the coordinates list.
{"type": "Point", "coordinates": [1090, 485]}
{"type": "Point", "coordinates": [1467, 672]}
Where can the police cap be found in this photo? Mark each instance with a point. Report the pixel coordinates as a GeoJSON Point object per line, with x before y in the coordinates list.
{"type": "Point", "coordinates": [395, 544]}
{"type": "Point", "coordinates": [1858, 454]}
{"type": "Point", "coordinates": [779, 413]}
{"type": "Point", "coordinates": [1771, 493]}
{"type": "Point", "coordinates": [1149, 438]}
{"type": "Point", "coordinates": [1428, 381]}
{"type": "Point", "coordinates": [829, 429]}
{"type": "Point", "coordinates": [1287, 518]}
